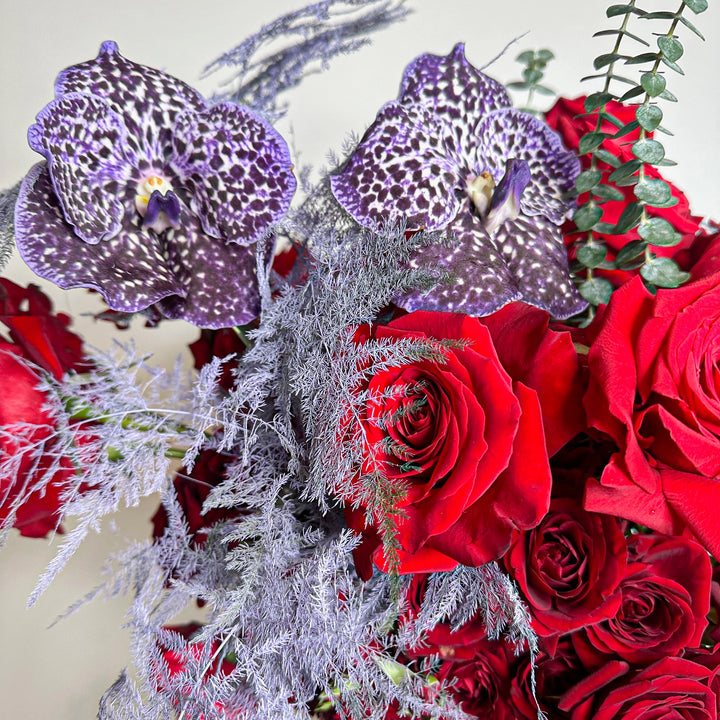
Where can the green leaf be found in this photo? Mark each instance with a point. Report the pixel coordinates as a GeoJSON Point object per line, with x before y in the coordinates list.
{"type": "Point", "coordinates": [660, 15]}
{"type": "Point", "coordinates": [590, 142]}
{"type": "Point", "coordinates": [596, 291]}
{"type": "Point", "coordinates": [525, 57]}
{"type": "Point", "coordinates": [649, 116]}
{"type": "Point", "coordinates": [624, 33]}
{"type": "Point", "coordinates": [545, 55]}
{"type": "Point", "coordinates": [631, 256]}
{"type": "Point", "coordinates": [697, 6]}
{"type": "Point", "coordinates": [664, 273]}
{"type": "Point", "coordinates": [691, 27]}
{"type": "Point", "coordinates": [587, 180]}
{"type": "Point", "coordinates": [626, 169]}
{"type": "Point", "coordinates": [630, 94]}
{"type": "Point", "coordinates": [628, 181]}
{"type": "Point", "coordinates": [673, 66]}
{"type": "Point", "coordinates": [597, 100]}
{"type": "Point", "coordinates": [607, 192]}
{"type": "Point", "coordinates": [652, 84]}
{"type": "Point", "coordinates": [602, 61]}
{"type": "Point", "coordinates": [670, 47]}
{"type": "Point", "coordinates": [531, 75]}
{"type": "Point", "coordinates": [586, 216]}
{"type": "Point", "coordinates": [654, 192]}
{"type": "Point", "coordinates": [615, 10]}
{"type": "Point", "coordinates": [649, 151]}
{"type": "Point", "coordinates": [625, 129]}
{"type": "Point", "coordinates": [665, 162]}
{"type": "Point", "coordinates": [642, 58]}
{"type": "Point", "coordinates": [667, 95]}
{"type": "Point", "coordinates": [664, 130]}
{"type": "Point", "coordinates": [659, 232]}
{"type": "Point", "coordinates": [591, 255]}
{"type": "Point", "coordinates": [607, 157]}
{"type": "Point", "coordinates": [517, 85]}
{"type": "Point", "coordinates": [544, 90]}
{"type": "Point", "coordinates": [628, 219]}
{"type": "Point", "coordinates": [610, 118]}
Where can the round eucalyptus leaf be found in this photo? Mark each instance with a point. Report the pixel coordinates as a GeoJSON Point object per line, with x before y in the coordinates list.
{"type": "Point", "coordinates": [596, 291]}
{"type": "Point", "coordinates": [649, 116]}
{"type": "Point", "coordinates": [587, 180]}
{"type": "Point", "coordinates": [649, 151]}
{"type": "Point", "coordinates": [697, 6]}
{"type": "Point", "coordinates": [625, 170]}
{"type": "Point", "coordinates": [586, 216]}
{"type": "Point", "coordinates": [659, 232]}
{"type": "Point", "coordinates": [631, 256]}
{"type": "Point", "coordinates": [525, 57]}
{"type": "Point", "coordinates": [664, 273]}
{"type": "Point", "coordinates": [671, 47]}
{"type": "Point", "coordinates": [597, 100]}
{"type": "Point", "coordinates": [653, 192]}
{"type": "Point", "coordinates": [652, 84]}
{"type": "Point", "coordinates": [590, 141]}
{"type": "Point", "coordinates": [545, 55]}
{"type": "Point", "coordinates": [591, 255]}
{"type": "Point", "coordinates": [607, 192]}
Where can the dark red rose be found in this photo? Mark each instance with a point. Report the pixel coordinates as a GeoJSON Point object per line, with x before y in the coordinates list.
{"type": "Point", "coordinates": [192, 489]}
{"type": "Point", "coordinates": [554, 675]}
{"type": "Point", "coordinates": [569, 567]}
{"type": "Point", "coordinates": [655, 390]}
{"type": "Point", "coordinates": [568, 118]}
{"type": "Point", "coordinates": [671, 688]}
{"type": "Point", "coordinates": [469, 438]}
{"type": "Point", "coordinates": [481, 685]}
{"type": "Point", "coordinates": [219, 343]}
{"type": "Point", "coordinates": [665, 600]}
{"type": "Point", "coordinates": [35, 335]}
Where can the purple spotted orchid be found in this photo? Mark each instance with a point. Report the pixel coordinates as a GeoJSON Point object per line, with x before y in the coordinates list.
{"type": "Point", "coordinates": [451, 153]}
{"type": "Point", "coordinates": [149, 194]}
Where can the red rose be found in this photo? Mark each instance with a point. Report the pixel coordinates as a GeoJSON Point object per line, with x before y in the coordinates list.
{"type": "Point", "coordinates": [665, 598]}
{"type": "Point", "coordinates": [192, 489]}
{"type": "Point", "coordinates": [178, 672]}
{"type": "Point", "coordinates": [554, 675]}
{"type": "Point", "coordinates": [569, 567]}
{"type": "Point", "coordinates": [43, 339]}
{"type": "Point", "coordinates": [655, 390]}
{"type": "Point", "coordinates": [481, 685]}
{"type": "Point", "coordinates": [469, 438]}
{"type": "Point", "coordinates": [219, 343]}
{"type": "Point", "coordinates": [568, 118]}
{"type": "Point", "coordinates": [671, 688]}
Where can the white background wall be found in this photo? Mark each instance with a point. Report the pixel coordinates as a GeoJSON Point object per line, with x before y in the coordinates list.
{"type": "Point", "coordinates": [60, 673]}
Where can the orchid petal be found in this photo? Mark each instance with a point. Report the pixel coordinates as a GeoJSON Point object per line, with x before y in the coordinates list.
{"type": "Point", "coordinates": [403, 169]}
{"type": "Point", "coordinates": [455, 91]}
{"type": "Point", "coordinates": [237, 170]}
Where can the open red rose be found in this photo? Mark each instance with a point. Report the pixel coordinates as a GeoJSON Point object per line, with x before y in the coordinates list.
{"type": "Point", "coordinates": [38, 336]}
{"type": "Point", "coordinates": [568, 118]}
{"type": "Point", "coordinates": [569, 567]}
{"type": "Point", "coordinates": [554, 675]}
{"type": "Point", "coordinates": [671, 688]}
{"type": "Point", "coordinates": [469, 438]}
{"type": "Point", "coordinates": [655, 390]}
{"type": "Point", "coordinates": [665, 600]}
{"type": "Point", "coordinates": [481, 685]}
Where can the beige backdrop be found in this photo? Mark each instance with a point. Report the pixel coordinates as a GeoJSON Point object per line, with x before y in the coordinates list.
{"type": "Point", "coordinates": [59, 673]}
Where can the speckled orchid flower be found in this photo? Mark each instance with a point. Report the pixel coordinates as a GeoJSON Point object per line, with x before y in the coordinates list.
{"type": "Point", "coordinates": [149, 194]}
{"type": "Point", "coordinates": [452, 154]}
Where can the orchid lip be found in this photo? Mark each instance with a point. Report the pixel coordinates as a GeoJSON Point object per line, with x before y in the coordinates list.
{"type": "Point", "coordinates": [505, 201]}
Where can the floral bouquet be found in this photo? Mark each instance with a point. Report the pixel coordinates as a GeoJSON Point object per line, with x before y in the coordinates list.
{"type": "Point", "coordinates": [452, 446]}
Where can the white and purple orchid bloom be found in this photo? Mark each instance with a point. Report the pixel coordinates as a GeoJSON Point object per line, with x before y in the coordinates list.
{"type": "Point", "coordinates": [150, 194]}
{"type": "Point", "coordinates": [451, 153]}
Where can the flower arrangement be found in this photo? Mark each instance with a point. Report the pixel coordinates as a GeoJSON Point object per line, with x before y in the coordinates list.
{"type": "Point", "coordinates": [451, 446]}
